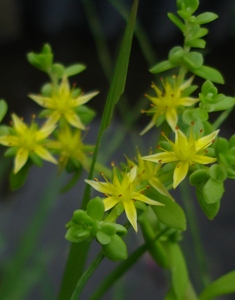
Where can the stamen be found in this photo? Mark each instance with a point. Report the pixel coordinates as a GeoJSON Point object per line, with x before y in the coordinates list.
{"type": "Point", "coordinates": [120, 195]}
{"type": "Point", "coordinates": [192, 123]}
{"type": "Point", "coordinates": [112, 164]}
{"type": "Point", "coordinates": [96, 179]}
{"type": "Point", "coordinates": [160, 160]}
{"type": "Point", "coordinates": [176, 127]}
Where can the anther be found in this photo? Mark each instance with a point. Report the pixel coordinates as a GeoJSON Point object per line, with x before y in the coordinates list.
{"type": "Point", "coordinates": [120, 195]}
{"type": "Point", "coordinates": [96, 180]}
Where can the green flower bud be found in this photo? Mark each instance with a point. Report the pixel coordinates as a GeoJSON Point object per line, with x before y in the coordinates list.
{"type": "Point", "coordinates": [116, 250]}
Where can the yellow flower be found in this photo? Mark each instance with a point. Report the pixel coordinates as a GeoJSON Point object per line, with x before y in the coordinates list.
{"type": "Point", "coordinates": [165, 105]}
{"type": "Point", "coordinates": [185, 151]}
{"type": "Point", "coordinates": [27, 140]}
{"type": "Point", "coordinates": [125, 189]}
{"type": "Point", "coordinates": [148, 171]}
{"type": "Point", "coordinates": [62, 104]}
{"type": "Point", "coordinates": [69, 146]}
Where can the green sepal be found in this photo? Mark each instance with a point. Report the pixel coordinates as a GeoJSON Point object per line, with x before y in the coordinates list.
{"type": "Point", "coordinates": [209, 73]}
{"type": "Point", "coordinates": [76, 234]}
{"type": "Point", "coordinates": [116, 250]}
{"type": "Point", "coordinates": [95, 208]}
{"type": "Point", "coordinates": [174, 19]}
{"type": "Point", "coordinates": [74, 69]}
{"type": "Point", "coordinates": [193, 60]}
{"type": "Point", "coordinates": [162, 67]}
{"type": "Point", "coordinates": [3, 109]}
{"type": "Point", "coordinates": [11, 152]}
{"type": "Point", "coordinates": [206, 17]}
{"type": "Point", "coordinates": [35, 159]}
{"type": "Point", "coordinates": [18, 180]}
{"type": "Point", "coordinates": [188, 5]}
{"type": "Point", "coordinates": [85, 113]}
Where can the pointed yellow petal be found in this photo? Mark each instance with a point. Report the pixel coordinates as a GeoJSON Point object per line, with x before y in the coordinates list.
{"type": "Point", "coordinates": [205, 141]}
{"type": "Point", "coordinates": [102, 187]}
{"type": "Point", "coordinates": [149, 126]}
{"type": "Point", "coordinates": [45, 131]}
{"type": "Point", "coordinates": [19, 125]}
{"type": "Point", "coordinates": [64, 89]}
{"type": "Point", "coordinates": [131, 213]}
{"type": "Point", "coordinates": [180, 172]}
{"type": "Point", "coordinates": [147, 200]}
{"type": "Point", "coordinates": [74, 120]}
{"type": "Point", "coordinates": [110, 202]}
{"type": "Point", "coordinates": [156, 183]}
{"type": "Point", "coordinates": [44, 154]}
{"type": "Point", "coordinates": [20, 159]}
{"type": "Point", "coordinates": [204, 160]}
{"type": "Point", "coordinates": [181, 140]}
{"type": "Point", "coordinates": [187, 101]}
{"type": "Point", "coordinates": [42, 101]}
{"type": "Point", "coordinates": [163, 157]}
{"type": "Point", "coordinates": [172, 118]}
{"type": "Point", "coordinates": [53, 119]}
{"type": "Point", "coordinates": [9, 140]}
{"type": "Point", "coordinates": [85, 98]}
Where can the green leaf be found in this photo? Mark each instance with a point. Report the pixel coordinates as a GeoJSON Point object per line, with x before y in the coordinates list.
{"type": "Point", "coordinates": [225, 103]}
{"type": "Point", "coordinates": [179, 271]}
{"type": "Point", "coordinates": [197, 43]}
{"type": "Point", "coordinates": [218, 173]}
{"type": "Point", "coordinates": [58, 70]}
{"type": "Point", "coordinates": [3, 109]}
{"type": "Point", "coordinates": [74, 70]}
{"type": "Point", "coordinates": [210, 210]}
{"type": "Point", "coordinates": [175, 55]}
{"type": "Point", "coordinates": [209, 73]}
{"type": "Point", "coordinates": [174, 19]}
{"type": "Point", "coordinates": [115, 250]}
{"type": "Point", "coordinates": [161, 67]}
{"type": "Point", "coordinates": [85, 113]}
{"type": "Point", "coordinates": [213, 191]}
{"type": "Point", "coordinates": [193, 60]}
{"type": "Point", "coordinates": [222, 286]}
{"type": "Point", "coordinates": [103, 238]}
{"type": "Point", "coordinates": [172, 215]}
{"type": "Point", "coordinates": [95, 208]}
{"type": "Point", "coordinates": [188, 5]}
{"type": "Point", "coordinates": [42, 61]}
{"type": "Point", "coordinates": [206, 17]}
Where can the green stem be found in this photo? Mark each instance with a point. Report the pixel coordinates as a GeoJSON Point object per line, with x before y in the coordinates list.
{"type": "Point", "coordinates": [222, 117]}
{"type": "Point", "coordinates": [86, 275]}
{"type": "Point", "coordinates": [198, 247]}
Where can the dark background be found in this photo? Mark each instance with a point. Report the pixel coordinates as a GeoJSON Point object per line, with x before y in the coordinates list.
{"type": "Point", "coordinates": [25, 26]}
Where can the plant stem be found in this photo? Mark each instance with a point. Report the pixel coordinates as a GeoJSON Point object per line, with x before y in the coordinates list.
{"type": "Point", "coordinates": [86, 275]}
{"type": "Point", "coordinates": [222, 117]}
{"type": "Point", "coordinates": [199, 251]}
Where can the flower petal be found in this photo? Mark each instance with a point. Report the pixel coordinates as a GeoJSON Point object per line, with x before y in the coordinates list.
{"type": "Point", "coordinates": [20, 159]}
{"type": "Point", "coordinates": [85, 98]}
{"type": "Point", "coordinates": [187, 101]}
{"type": "Point", "coordinates": [149, 126]}
{"type": "Point", "coordinates": [204, 160]}
{"type": "Point", "coordinates": [205, 141]}
{"type": "Point", "coordinates": [163, 157]}
{"type": "Point", "coordinates": [110, 202]}
{"type": "Point", "coordinates": [19, 125]}
{"type": "Point", "coordinates": [180, 172]}
{"type": "Point", "coordinates": [102, 187]}
{"type": "Point", "coordinates": [131, 214]}
{"type": "Point", "coordinates": [9, 140]}
{"type": "Point", "coordinates": [74, 120]}
{"type": "Point", "coordinates": [44, 154]}
{"type": "Point", "coordinates": [172, 118]}
{"type": "Point", "coordinates": [42, 101]}
{"type": "Point", "coordinates": [147, 200]}
{"type": "Point", "coordinates": [156, 183]}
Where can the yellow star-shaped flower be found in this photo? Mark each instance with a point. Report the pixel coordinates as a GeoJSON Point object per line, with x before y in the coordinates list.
{"type": "Point", "coordinates": [62, 104]}
{"type": "Point", "coordinates": [69, 145]}
{"type": "Point", "coordinates": [27, 140]}
{"type": "Point", "coordinates": [125, 189]}
{"type": "Point", "coordinates": [185, 151]}
{"type": "Point", "coordinates": [165, 105]}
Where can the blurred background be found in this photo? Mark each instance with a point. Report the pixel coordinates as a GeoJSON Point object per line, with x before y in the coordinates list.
{"type": "Point", "coordinates": [67, 26]}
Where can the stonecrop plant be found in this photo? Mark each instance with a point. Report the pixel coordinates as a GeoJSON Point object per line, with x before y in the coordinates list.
{"type": "Point", "coordinates": [188, 148]}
